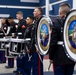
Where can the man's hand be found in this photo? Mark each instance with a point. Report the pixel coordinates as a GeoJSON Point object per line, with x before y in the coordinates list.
{"type": "Point", "coordinates": [13, 34]}
{"type": "Point", "coordinates": [6, 34]}
{"type": "Point", "coordinates": [16, 26]}
{"type": "Point", "coordinates": [28, 51]}
{"type": "Point", "coordinates": [51, 61]}
{"type": "Point", "coordinates": [37, 51]}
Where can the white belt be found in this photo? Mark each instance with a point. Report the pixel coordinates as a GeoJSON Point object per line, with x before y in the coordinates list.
{"type": "Point", "coordinates": [28, 39]}
{"type": "Point", "coordinates": [60, 42]}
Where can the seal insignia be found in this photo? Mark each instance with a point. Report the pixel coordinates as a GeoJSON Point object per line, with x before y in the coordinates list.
{"type": "Point", "coordinates": [70, 35]}
{"type": "Point", "coordinates": [44, 35]}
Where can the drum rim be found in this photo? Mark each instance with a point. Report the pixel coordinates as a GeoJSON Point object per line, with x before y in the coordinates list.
{"type": "Point", "coordinates": [64, 36]}
{"type": "Point", "coordinates": [42, 52]}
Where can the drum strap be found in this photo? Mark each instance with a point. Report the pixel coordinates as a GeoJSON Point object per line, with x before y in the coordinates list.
{"type": "Point", "coordinates": [8, 30]}
{"type": "Point", "coordinates": [40, 57]}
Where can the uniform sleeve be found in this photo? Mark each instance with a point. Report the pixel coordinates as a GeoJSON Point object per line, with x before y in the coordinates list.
{"type": "Point", "coordinates": [53, 42]}
{"type": "Point", "coordinates": [23, 22]}
{"type": "Point", "coordinates": [13, 29]}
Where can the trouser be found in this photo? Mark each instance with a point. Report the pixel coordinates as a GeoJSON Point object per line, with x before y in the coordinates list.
{"type": "Point", "coordinates": [34, 65]}
{"type": "Point", "coordinates": [11, 62]}
{"type": "Point", "coordinates": [20, 63]}
{"type": "Point", "coordinates": [2, 56]}
{"type": "Point", "coordinates": [64, 69]}
{"type": "Point", "coordinates": [37, 65]}
{"type": "Point", "coordinates": [26, 65]}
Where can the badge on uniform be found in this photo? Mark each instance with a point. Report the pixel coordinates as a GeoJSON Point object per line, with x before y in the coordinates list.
{"type": "Point", "coordinates": [70, 35]}
{"type": "Point", "coordinates": [23, 26]}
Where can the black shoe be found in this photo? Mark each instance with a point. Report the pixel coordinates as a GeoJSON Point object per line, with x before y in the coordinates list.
{"type": "Point", "coordinates": [2, 62]}
{"type": "Point", "coordinates": [18, 73]}
{"type": "Point", "coordinates": [15, 71]}
{"type": "Point", "coordinates": [8, 67]}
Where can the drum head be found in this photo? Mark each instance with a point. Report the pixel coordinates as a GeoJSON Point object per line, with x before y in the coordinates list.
{"type": "Point", "coordinates": [44, 35]}
{"type": "Point", "coordinates": [70, 35]}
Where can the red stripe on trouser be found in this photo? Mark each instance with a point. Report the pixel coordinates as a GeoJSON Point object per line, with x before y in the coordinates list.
{"type": "Point", "coordinates": [39, 66]}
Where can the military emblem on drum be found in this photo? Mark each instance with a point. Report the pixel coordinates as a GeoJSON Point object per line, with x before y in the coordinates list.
{"type": "Point", "coordinates": [70, 35]}
{"type": "Point", "coordinates": [44, 35]}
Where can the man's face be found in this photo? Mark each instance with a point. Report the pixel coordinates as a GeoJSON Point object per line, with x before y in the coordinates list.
{"type": "Point", "coordinates": [61, 14]}
{"type": "Point", "coordinates": [3, 21]}
{"type": "Point", "coordinates": [18, 16]}
{"type": "Point", "coordinates": [10, 21]}
{"type": "Point", "coordinates": [28, 21]}
{"type": "Point", "coordinates": [36, 12]}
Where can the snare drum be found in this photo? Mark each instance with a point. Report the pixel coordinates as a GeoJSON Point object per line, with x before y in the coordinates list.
{"type": "Point", "coordinates": [17, 45]}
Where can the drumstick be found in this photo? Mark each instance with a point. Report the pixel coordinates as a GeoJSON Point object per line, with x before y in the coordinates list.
{"type": "Point", "coordinates": [49, 67]}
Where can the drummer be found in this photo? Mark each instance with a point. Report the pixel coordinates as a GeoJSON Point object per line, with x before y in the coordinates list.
{"type": "Point", "coordinates": [11, 32]}
{"type": "Point", "coordinates": [62, 64]}
{"type": "Point", "coordinates": [4, 26]}
{"type": "Point", "coordinates": [21, 27]}
{"type": "Point", "coordinates": [28, 34]}
{"type": "Point", "coordinates": [21, 30]}
{"type": "Point", "coordinates": [37, 58]}
{"type": "Point", "coordinates": [3, 30]}
{"type": "Point", "coordinates": [13, 27]}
